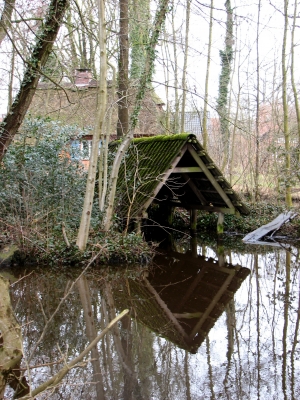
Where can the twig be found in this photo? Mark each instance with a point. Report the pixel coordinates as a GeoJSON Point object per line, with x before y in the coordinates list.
{"type": "Point", "coordinates": [61, 374]}
{"type": "Point", "coordinates": [63, 228]}
{"type": "Point", "coordinates": [59, 305]}
{"type": "Point", "coordinates": [19, 280]}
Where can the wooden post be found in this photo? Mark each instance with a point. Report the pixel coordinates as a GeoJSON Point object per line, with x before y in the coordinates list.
{"type": "Point", "coordinates": [170, 215]}
{"type": "Point", "coordinates": [220, 225]}
{"type": "Point", "coordinates": [194, 247]}
{"type": "Point", "coordinates": [138, 225]}
{"type": "Point", "coordinates": [193, 220]}
{"type": "Point", "coordinates": [220, 246]}
{"type": "Point", "coordinates": [221, 253]}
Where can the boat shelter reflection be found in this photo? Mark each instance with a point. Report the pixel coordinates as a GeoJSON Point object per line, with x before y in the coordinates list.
{"type": "Point", "coordinates": [182, 297]}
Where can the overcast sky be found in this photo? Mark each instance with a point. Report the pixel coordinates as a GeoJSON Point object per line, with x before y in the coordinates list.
{"type": "Point", "coordinates": [270, 42]}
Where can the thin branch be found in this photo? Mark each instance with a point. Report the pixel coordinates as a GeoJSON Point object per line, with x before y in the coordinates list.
{"type": "Point", "coordinates": [63, 372]}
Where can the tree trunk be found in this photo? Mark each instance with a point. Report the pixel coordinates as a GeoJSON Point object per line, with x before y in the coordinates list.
{"type": "Point", "coordinates": [123, 114]}
{"type": "Point", "coordinates": [11, 345]}
{"type": "Point", "coordinates": [204, 121]}
{"type": "Point", "coordinates": [295, 91]}
{"type": "Point", "coordinates": [103, 157]}
{"type": "Point", "coordinates": [83, 232]}
{"type": "Point", "coordinates": [257, 120]}
{"type": "Point", "coordinates": [91, 334]}
{"type": "Point", "coordinates": [140, 22]}
{"type": "Point", "coordinates": [5, 20]}
{"type": "Point", "coordinates": [287, 171]}
{"type": "Point", "coordinates": [11, 123]}
{"type": "Point", "coordinates": [222, 101]}
{"type": "Point", "coordinates": [144, 81]}
{"type": "Point", "coordinates": [174, 37]}
{"type": "Point", "coordinates": [186, 50]}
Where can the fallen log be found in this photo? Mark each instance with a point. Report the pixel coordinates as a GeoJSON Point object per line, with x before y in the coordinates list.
{"type": "Point", "coordinates": [271, 227]}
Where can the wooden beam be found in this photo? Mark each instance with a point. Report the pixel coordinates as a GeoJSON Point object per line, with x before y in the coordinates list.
{"type": "Point", "coordinates": [180, 170]}
{"type": "Point", "coordinates": [163, 180]}
{"type": "Point", "coordinates": [191, 289]}
{"type": "Point", "coordinates": [220, 224]}
{"type": "Point", "coordinates": [210, 177]}
{"type": "Point", "coordinates": [231, 211]}
{"type": "Point", "coordinates": [214, 302]}
{"type": "Point", "coordinates": [165, 308]}
{"type": "Point", "coordinates": [193, 220]}
{"type": "Point", "coordinates": [227, 191]}
{"type": "Point", "coordinates": [138, 225]}
{"type": "Point", "coordinates": [195, 189]}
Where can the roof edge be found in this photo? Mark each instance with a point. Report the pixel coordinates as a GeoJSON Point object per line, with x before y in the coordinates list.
{"type": "Point", "coordinates": [162, 138]}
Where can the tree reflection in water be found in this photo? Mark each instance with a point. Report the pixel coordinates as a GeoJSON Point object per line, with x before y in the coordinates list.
{"type": "Point", "coordinates": [245, 344]}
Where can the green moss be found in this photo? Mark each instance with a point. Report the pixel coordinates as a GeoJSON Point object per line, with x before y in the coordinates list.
{"type": "Point", "coordinates": [157, 138]}
{"type": "Point", "coordinates": [164, 138]}
{"type": "Point", "coordinates": [144, 164]}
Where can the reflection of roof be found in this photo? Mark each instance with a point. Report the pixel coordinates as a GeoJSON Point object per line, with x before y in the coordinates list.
{"type": "Point", "coordinates": [174, 168]}
{"type": "Point", "coordinates": [181, 299]}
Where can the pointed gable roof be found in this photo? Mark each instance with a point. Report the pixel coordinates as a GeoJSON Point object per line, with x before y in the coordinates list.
{"type": "Point", "coordinates": [181, 300]}
{"type": "Point", "coordinates": [175, 169]}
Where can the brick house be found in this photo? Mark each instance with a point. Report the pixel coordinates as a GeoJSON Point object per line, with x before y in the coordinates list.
{"type": "Point", "coordinates": [75, 103]}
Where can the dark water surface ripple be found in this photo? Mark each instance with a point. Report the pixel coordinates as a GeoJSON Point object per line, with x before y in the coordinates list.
{"type": "Point", "coordinates": [201, 326]}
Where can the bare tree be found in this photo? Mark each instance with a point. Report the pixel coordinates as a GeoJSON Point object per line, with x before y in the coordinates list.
{"type": "Point", "coordinates": [286, 131]}
{"type": "Point", "coordinates": [123, 113]}
{"type": "Point", "coordinates": [43, 46]}
{"type": "Point", "coordinates": [145, 79]}
{"type": "Point", "coordinates": [83, 232]}
{"type": "Point", "coordinates": [5, 19]}
{"type": "Point", "coordinates": [205, 107]}
{"type": "Point", "coordinates": [226, 56]}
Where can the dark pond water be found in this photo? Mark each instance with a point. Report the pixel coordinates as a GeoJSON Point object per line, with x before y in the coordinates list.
{"type": "Point", "coordinates": [201, 326]}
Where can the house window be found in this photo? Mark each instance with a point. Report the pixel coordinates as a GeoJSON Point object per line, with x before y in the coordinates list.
{"type": "Point", "coordinates": [81, 149]}
{"type": "Point", "coordinates": [86, 147]}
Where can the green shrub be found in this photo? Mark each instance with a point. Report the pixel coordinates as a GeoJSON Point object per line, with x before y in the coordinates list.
{"type": "Point", "coordinates": [42, 184]}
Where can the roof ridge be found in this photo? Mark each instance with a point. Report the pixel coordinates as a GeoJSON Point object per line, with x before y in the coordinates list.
{"type": "Point", "coordinates": [162, 138]}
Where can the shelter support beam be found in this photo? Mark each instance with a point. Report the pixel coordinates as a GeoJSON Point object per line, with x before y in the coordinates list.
{"type": "Point", "coordinates": [223, 210]}
{"type": "Point", "coordinates": [215, 301]}
{"type": "Point", "coordinates": [221, 253]}
{"type": "Point", "coordinates": [194, 189]}
{"type": "Point", "coordinates": [193, 220]}
{"type": "Point", "coordinates": [138, 225]}
{"type": "Point", "coordinates": [164, 179]}
{"type": "Point", "coordinates": [220, 224]}
{"type": "Point", "coordinates": [211, 177]}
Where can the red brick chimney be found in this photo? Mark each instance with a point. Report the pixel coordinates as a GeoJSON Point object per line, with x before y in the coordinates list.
{"type": "Point", "coordinates": [83, 76]}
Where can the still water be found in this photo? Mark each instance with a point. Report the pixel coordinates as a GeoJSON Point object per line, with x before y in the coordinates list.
{"type": "Point", "coordinates": [201, 326]}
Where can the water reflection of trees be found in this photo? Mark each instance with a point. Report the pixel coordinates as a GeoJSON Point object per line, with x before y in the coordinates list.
{"type": "Point", "coordinates": [251, 352]}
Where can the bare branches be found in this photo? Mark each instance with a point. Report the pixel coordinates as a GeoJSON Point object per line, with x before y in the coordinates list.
{"type": "Point", "coordinates": [57, 378]}
{"type": "Point", "coordinates": [39, 56]}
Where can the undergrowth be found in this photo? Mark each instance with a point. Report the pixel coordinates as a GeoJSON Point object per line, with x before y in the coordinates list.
{"type": "Point", "coordinates": [260, 214]}
{"type": "Point", "coordinates": [42, 186]}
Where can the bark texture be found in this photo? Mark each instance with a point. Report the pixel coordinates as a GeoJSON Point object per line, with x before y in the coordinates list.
{"type": "Point", "coordinates": [5, 19]}
{"type": "Point", "coordinates": [39, 56]}
{"type": "Point", "coordinates": [11, 348]}
{"type": "Point", "coordinates": [123, 115]}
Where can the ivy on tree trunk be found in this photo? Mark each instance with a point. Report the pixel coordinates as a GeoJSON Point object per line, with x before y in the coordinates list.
{"type": "Point", "coordinates": [226, 56]}
{"type": "Point", "coordinates": [41, 50]}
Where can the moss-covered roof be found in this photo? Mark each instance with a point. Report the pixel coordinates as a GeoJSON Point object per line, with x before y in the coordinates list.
{"type": "Point", "coordinates": [149, 171]}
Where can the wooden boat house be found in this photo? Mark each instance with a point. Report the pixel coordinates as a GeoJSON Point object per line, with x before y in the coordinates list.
{"type": "Point", "coordinates": [172, 171]}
